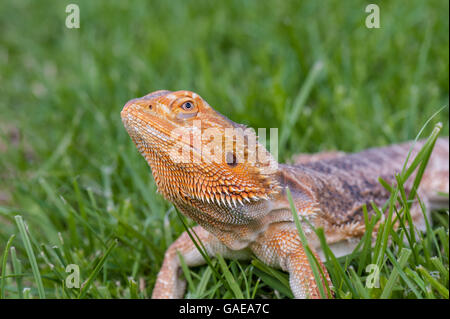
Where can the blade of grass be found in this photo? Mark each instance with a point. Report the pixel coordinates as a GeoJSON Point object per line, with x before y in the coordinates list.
{"type": "Point", "coordinates": [363, 293]}
{"type": "Point", "coordinates": [31, 256]}
{"type": "Point", "coordinates": [434, 283]}
{"type": "Point", "coordinates": [404, 255]}
{"type": "Point", "coordinates": [201, 248]}
{"type": "Point", "coordinates": [272, 278]}
{"type": "Point", "coordinates": [273, 283]}
{"type": "Point", "coordinates": [402, 274]}
{"type": "Point", "coordinates": [201, 287]}
{"type": "Point", "coordinates": [340, 276]}
{"type": "Point", "coordinates": [5, 257]}
{"type": "Point", "coordinates": [269, 270]}
{"type": "Point", "coordinates": [440, 267]}
{"type": "Point", "coordinates": [314, 264]}
{"type": "Point", "coordinates": [96, 270]}
{"type": "Point", "coordinates": [17, 268]}
{"type": "Point", "coordinates": [366, 250]}
{"type": "Point", "coordinates": [133, 289]}
{"type": "Point", "coordinates": [406, 212]}
{"type": "Point", "coordinates": [293, 114]}
{"type": "Point", "coordinates": [186, 272]}
{"type": "Point", "coordinates": [229, 278]}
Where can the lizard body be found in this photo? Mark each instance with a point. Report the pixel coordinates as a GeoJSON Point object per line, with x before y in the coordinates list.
{"type": "Point", "coordinates": [236, 192]}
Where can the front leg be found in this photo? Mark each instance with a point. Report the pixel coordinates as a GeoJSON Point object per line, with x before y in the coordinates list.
{"type": "Point", "coordinates": [169, 284]}
{"type": "Point", "coordinates": [281, 247]}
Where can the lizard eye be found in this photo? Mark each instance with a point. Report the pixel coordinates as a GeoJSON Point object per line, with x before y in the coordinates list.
{"type": "Point", "coordinates": [189, 110]}
{"type": "Point", "coordinates": [187, 106]}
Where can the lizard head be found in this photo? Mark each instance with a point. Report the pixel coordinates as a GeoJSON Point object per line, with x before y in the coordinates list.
{"type": "Point", "coordinates": [196, 153]}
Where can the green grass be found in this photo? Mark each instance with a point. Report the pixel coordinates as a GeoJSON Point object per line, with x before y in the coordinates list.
{"type": "Point", "coordinates": [413, 256]}
{"type": "Point", "coordinates": [311, 69]}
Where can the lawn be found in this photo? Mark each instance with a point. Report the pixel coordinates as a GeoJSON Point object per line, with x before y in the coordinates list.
{"type": "Point", "coordinates": [74, 189]}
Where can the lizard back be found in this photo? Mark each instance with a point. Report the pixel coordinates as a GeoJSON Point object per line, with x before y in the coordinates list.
{"type": "Point", "coordinates": [342, 185]}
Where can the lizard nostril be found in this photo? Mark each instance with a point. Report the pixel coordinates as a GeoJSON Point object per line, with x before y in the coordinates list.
{"type": "Point", "coordinates": [150, 106]}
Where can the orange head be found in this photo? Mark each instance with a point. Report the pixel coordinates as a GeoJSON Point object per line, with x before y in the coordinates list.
{"type": "Point", "coordinates": [196, 153]}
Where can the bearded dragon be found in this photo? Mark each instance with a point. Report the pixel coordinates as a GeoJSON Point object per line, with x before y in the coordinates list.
{"type": "Point", "coordinates": [236, 192]}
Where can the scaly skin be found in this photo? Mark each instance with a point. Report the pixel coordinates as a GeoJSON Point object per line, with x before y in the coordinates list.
{"type": "Point", "coordinates": [239, 199]}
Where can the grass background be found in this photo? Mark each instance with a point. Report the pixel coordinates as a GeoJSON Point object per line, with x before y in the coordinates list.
{"type": "Point", "coordinates": [69, 169]}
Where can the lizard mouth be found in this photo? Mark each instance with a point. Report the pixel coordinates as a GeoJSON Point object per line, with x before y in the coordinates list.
{"type": "Point", "coordinates": [138, 125]}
